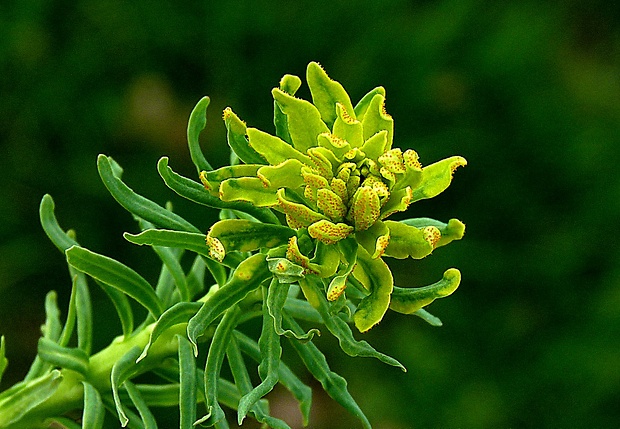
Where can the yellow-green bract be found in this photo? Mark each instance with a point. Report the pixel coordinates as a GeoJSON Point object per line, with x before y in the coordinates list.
{"type": "Point", "coordinates": [332, 171]}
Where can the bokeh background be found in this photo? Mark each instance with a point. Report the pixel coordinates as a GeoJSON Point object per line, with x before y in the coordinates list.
{"type": "Point", "coordinates": [527, 91]}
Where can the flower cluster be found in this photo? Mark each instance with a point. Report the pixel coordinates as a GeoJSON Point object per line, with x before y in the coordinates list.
{"type": "Point", "coordinates": [331, 170]}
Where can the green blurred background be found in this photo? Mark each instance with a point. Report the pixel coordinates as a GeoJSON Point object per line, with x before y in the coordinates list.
{"type": "Point", "coordinates": [527, 91]}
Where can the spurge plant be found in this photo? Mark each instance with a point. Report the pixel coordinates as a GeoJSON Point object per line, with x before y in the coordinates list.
{"type": "Point", "coordinates": [301, 240]}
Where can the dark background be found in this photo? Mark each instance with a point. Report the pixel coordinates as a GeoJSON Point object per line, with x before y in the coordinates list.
{"type": "Point", "coordinates": [527, 91]}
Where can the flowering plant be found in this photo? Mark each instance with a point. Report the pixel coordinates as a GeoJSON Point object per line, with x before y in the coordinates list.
{"type": "Point", "coordinates": [302, 237]}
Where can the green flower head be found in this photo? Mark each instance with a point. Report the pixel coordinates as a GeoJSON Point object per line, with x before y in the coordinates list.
{"type": "Point", "coordinates": [332, 171]}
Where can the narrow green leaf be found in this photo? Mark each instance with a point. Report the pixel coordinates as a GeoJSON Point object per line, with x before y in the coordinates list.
{"type": "Point", "coordinates": [137, 204]}
{"type": "Point", "coordinates": [408, 241]}
{"type": "Point", "coordinates": [117, 275]}
{"type": "Point", "coordinates": [437, 177]}
{"type": "Point", "coordinates": [180, 312]}
{"type": "Point", "coordinates": [148, 419]}
{"type": "Point", "coordinates": [51, 330]}
{"type": "Point", "coordinates": [94, 412]}
{"type": "Point", "coordinates": [122, 306]}
{"type": "Point", "coordinates": [453, 230]}
{"type": "Point", "coordinates": [237, 141]}
{"type": "Point", "coordinates": [276, 300]}
{"type": "Point", "coordinates": [64, 357]}
{"type": "Point", "coordinates": [326, 93]}
{"type": "Point", "coordinates": [62, 241]}
{"type": "Point", "coordinates": [375, 119]}
{"type": "Point", "coordinates": [301, 392]}
{"type": "Point", "coordinates": [187, 380]}
{"type": "Point", "coordinates": [274, 149]}
{"type": "Point", "coordinates": [377, 277]}
{"type": "Point", "coordinates": [50, 224]}
{"type": "Point", "coordinates": [302, 310]}
{"type": "Point", "coordinates": [133, 420]}
{"type": "Point", "coordinates": [84, 312]}
{"type": "Point", "coordinates": [192, 241]}
{"type": "Point", "coordinates": [362, 106]}
{"type": "Point", "coordinates": [289, 84]}
{"type": "Point", "coordinates": [197, 122]}
{"type": "Point", "coordinates": [173, 264]}
{"type": "Point", "coordinates": [428, 317]}
{"type": "Point", "coordinates": [247, 277]}
{"type": "Point", "coordinates": [67, 329]}
{"type": "Point", "coordinates": [213, 366]}
{"type": "Point", "coordinates": [16, 406]}
{"type": "Point", "coordinates": [244, 236]}
{"type": "Point", "coordinates": [4, 362]}
{"type": "Point", "coordinates": [410, 300]}
{"type": "Point", "coordinates": [196, 277]}
{"type": "Point", "coordinates": [342, 331]}
{"type": "Point", "coordinates": [260, 410]}
{"type": "Point", "coordinates": [271, 352]}
{"type": "Point", "coordinates": [122, 370]}
{"type": "Point", "coordinates": [303, 118]}
{"type": "Point", "coordinates": [196, 192]}
{"type": "Point", "coordinates": [333, 384]}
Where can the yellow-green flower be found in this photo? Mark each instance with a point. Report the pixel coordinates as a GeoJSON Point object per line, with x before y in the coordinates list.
{"type": "Point", "coordinates": [332, 171]}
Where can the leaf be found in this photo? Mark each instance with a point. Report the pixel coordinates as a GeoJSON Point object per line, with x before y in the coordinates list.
{"type": "Point", "coordinates": [64, 357]}
{"type": "Point", "coordinates": [244, 384]}
{"type": "Point", "coordinates": [94, 412]}
{"type": "Point", "coordinates": [67, 329]}
{"type": "Point", "coordinates": [173, 265]}
{"type": "Point", "coordinates": [274, 149]}
{"type": "Point", "coordinates": [362, 106]}
{"type": "Point", "coordinates": [437, 177]}
{"type": "Point", "coordinates": [348, 253]}
{"type": "Point", "coordinates": [375, 119]}
{"type": "Point", "coordinates": [116, 275]}
{"type": "Point", "coordinates": [187, 380]}
{"type": "Point", "coordinates": [302, 310]}
{"type": "Point", "coordinates": [17, 405]}
{"type": "Point", "coordinates": [247, 277]}
{"type": "Point", "coordinates": [326, 93]}
{"type": "Point", "coordinates": [244, 236]}
{"type": "Point", "coordinates": [122, 306]}
{"type": "Point", "coordinates": [192, 241]}
{"type": "Point", "coordinates": [50, 224]}
{"type": "Point", "coordinates": [51, 330]}
{"type": "Point", "coordinates": [134, 394]}
{"type": "Point", "coordinates": [408, 241]}
{"type": "Point", "coordinates": [215, 357]}
{"type": "Point", "coordinates": [4, 362]}
{"type": "Point", "coordinates": [303, 118]}
{"type": "Point", "coordinates": [428, 317]}
{"type": "Point", "coordinates": [197, 122]}
{"type": "Point", "coordinates": [196, 192]}
{"type": "Point", "coordinates": [287, 174]}
{"type": "Point", "coordinates": [124, 368]}
{"type": "Point", "coordinates": [453, 230]}
{"type": "Point", "coordinates": [137, 204]}
{"type": "Point", "coordinates": [276, 299]}
{"type": "Point", "coordinates": [341, 330]}
{"type": "Point", "coordinates": [180, 312]}
{"type": "Point", "coordinates": [347, 127]}
{"type": "Point", "coordinates": [236, 130]}
{"type": "Point", "coordinates": [271, 352]}
{"type": "Point", "coordinates": [410, 300]}
{"type": "Point", "coordinates": [377, 278]}
{"type": "Point", "coordinates": [333, 384]}
{"type": "Point", "coordinates": [82, 296]}
{"type": "Point", "coordinates": [289, 84]}
{"type": "Point", "coordinates": [287, 378]}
